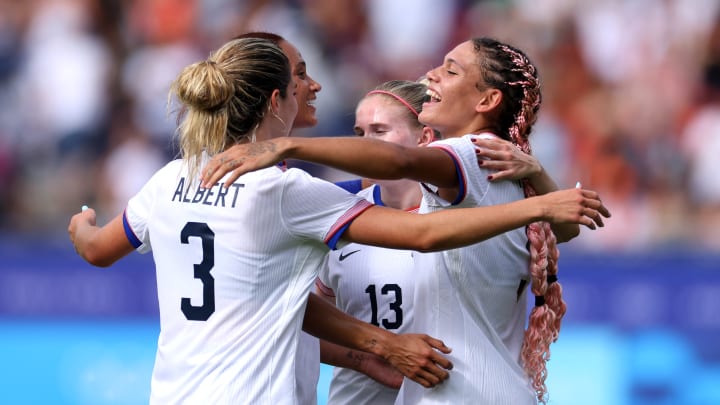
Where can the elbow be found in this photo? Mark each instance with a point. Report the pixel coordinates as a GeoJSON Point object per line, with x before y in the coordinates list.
{"type": "Point", "coordinates": [96, 258]}
{"type": "Point", "coordinates": [428, 243]}
{"type": "Point", "coordinates": [97, 261]}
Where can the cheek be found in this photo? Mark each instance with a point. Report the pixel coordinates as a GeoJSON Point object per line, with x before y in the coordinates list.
{"type": "Point", "coordinates": [404, 138]}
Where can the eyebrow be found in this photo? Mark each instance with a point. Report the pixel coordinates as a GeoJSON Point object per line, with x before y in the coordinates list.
{"type": "Point", "coordinates": [375, 125]}
{"type": "Point", "coordinates": [454, 62]}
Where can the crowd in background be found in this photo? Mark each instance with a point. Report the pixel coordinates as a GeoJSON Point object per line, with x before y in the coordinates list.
{"type": "Point", "coordinates": [631, 95]}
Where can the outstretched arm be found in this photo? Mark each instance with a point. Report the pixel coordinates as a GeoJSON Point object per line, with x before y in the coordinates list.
{"type": "Point", "coordinates": [510, 163]}
{"type": "Point", "coordinates": [367, 157]}
{"type": "Point", "coordinates": [453, 228]}
{"type": "Point", "coordinates": [99, 246]}
{"type": "Point", "coordinates": [417, 356]}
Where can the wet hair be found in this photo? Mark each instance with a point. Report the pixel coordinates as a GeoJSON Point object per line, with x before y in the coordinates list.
{"type": "Point", "coordinates": [509, 70]}
{"type": "Point", "coordinates": [408, 93]}
{"type": "Point", "coordinates": [225, 97]}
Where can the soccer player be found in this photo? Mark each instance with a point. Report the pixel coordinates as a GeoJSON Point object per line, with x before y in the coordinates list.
{"type": "Point", "coordinates": [474, 298]}
{"type": "Point", "coordinates": [235, 264]}
{"type": "Point", "coordinates": [371, 283]}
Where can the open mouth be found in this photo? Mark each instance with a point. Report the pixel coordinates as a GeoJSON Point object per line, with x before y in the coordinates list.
{"type": "Point", "coordinates": [432, 96]}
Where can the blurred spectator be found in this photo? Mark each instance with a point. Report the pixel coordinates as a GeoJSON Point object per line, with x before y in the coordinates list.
{"type": "Point", "coordinates": [631, 105]}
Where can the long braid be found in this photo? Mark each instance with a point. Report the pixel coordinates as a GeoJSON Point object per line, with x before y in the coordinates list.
{"type": "Point", "coordinates": [508, 69]}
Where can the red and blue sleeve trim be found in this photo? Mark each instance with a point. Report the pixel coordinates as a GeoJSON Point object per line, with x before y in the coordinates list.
{"type": "Point", "coordinates": [337, 230]}
{"type": "Point", "coordinates": [462, 180]}
{"type": "Point", "coordinates": [129, 233]}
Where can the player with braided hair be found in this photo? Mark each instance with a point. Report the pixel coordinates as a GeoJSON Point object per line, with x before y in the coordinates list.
{"type": "Point", "coordinates": [486, 93]}
{"type": "Point", "coordinates": [518, 113]}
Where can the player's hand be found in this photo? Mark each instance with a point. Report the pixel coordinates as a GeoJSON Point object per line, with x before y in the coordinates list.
{"type": "Point", "coordinates": [503, 157]}
{"type": "Point", "coordinates": [419, 358]}
{"type": "Point", "coordinates": [87, 217]}
{"type": "Point", "coordinates": [575, 206]}
{"type": "Point", "coordinates": [240, 159]}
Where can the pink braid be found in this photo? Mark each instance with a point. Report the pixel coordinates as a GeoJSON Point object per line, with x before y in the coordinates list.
{"type": "Point", "coordinates": [553, 294]}
{"type": "Point", "coordinates": [544, 321]}
{"type": "Point", "coordinates": [535, 350]}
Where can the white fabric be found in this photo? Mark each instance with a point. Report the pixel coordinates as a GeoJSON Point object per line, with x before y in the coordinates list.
{"type": "Point", "coordinates": [469, 299]}
{"type": "Point", "coordinates": [267, 246]}
{"type": "Point", "coordinates": [307, 368]}
{"type": "Point", "coordinates": [357, 274]}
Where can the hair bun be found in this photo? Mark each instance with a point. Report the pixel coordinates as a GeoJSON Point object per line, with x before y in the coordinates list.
{"type": "Point", "coordinates": [204, 86]}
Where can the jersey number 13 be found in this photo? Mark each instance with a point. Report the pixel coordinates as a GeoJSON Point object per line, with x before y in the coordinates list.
{"type": "Point", "coordinates": [395, 306]}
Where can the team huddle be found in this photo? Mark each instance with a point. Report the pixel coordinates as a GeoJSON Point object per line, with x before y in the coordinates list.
{"type": "Point", "coordinates": [412, 280]}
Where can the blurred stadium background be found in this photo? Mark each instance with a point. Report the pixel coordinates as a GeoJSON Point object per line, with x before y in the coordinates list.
{"type": "Point", "coordinates": [631, 109]}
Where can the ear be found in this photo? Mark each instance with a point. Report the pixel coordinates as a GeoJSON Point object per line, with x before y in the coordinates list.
{"type": "Point", "coordinates": [489, 100]}
{"type": "Point", "coordinates": [428, 135]}
{"type": "Point", "coordinates": [275, 101]}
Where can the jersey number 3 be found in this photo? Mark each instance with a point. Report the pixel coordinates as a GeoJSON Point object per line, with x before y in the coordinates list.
{"type": "Point", "coordinates": [202, 271]}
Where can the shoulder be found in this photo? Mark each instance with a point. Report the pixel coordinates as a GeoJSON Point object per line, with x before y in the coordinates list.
{"type": "Point", "coordinates": [459, 142]}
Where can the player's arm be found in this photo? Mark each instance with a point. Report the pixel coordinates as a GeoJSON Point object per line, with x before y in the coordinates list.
{"type": "Point", "coordinates": [367, 157]}
{"type": "Point", "coordinates": [417, 356]}
{"type": "Point", "coordinates": [367, 363]}
{"type": "Point", "coordinates": [452, 228]}
{"type": "Point", "coordinates": [510, 163]}
{"type": "Point", "coordinates": [99, 246]}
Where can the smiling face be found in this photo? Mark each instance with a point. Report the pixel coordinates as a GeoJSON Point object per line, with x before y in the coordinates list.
{"type": "Point", "coordinates": [306, 90]}
{"type": "Point", "coordinates": [454, 94]}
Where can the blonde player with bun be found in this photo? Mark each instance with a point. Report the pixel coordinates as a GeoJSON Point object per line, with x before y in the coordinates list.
{"type": "Point", "coordinates": [484, 99]}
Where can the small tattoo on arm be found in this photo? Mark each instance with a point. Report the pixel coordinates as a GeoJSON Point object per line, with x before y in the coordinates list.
{"type": "Point", "coordinates": [256, 149]}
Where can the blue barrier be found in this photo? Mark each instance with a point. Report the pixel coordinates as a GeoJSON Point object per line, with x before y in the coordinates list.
{"type": "Point", "coordinates": [641, 328]}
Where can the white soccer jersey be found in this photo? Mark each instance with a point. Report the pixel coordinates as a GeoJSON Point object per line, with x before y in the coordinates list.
{"type": "Point", "coordinates": [474, 298]}
{"type": "Point", "coordinates": [307, 367]}
{"type": "Point", "coordinates": [234, 268]}
{"type": "Point", "coordinates": [375, 285]}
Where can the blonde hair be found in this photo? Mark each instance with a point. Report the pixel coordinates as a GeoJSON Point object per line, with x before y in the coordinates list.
{"type": "Point", "coordinates": [225, 97]}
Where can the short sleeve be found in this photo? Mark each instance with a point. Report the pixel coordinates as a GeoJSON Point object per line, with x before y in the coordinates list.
{"type": "Point", "coordinates": [137, 214]}
{"type": "Point", "coordinates": [462, 152]}
{"type": "Point", "coordinates": [316, 209]}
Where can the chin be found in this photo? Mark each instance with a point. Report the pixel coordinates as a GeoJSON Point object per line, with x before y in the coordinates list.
{"type": "Point", "coordinates": [309, 120]}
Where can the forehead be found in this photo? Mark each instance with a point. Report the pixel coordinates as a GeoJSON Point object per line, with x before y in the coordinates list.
{"type": "Point", "coordinates": [381, 107]}
{"type": "Point", "coordinates": [464, 54]}
{"type": "Point", "coordinates": [292, 53]}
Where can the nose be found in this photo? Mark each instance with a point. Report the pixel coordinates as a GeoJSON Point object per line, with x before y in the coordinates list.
{"type": "Point", "coordinates": [314, 86]}
{"type": "Point", "coordinates": [431, 75]}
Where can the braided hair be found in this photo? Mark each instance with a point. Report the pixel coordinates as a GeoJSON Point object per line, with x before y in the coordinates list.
{"type": "Point", "coordinates": [509, 70]}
